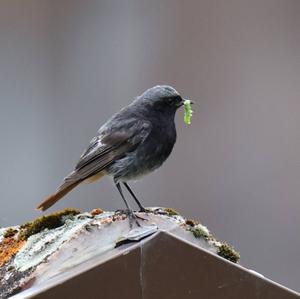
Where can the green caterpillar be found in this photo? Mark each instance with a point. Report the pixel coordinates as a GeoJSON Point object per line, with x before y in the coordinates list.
{"type": "Point", "coordinates": [188, 112]}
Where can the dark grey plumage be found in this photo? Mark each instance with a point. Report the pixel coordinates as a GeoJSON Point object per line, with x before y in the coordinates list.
{"type": "Point", "coordinates": [132, 143]}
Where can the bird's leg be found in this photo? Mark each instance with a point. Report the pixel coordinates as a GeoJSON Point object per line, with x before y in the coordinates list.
{"type": "Point", "coordinates": [142, 209]}
{"type": "Point", "coordinates": [129, 212]}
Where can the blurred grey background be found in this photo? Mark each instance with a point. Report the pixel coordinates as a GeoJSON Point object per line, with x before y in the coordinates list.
{"type": "Point", "coordinates": [66, 66]}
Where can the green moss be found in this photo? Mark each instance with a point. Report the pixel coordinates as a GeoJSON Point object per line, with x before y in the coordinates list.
{"type": "Point", "coordinates": [227, 252]}
{"type": "Point", "coordinates": [49, 221]}
{"type": "Point", "coordinates": [199, 233]}
{"type": "Point", "coordinates": [10, 232]}
{"type": "Point", "coordinates": [171, 212]}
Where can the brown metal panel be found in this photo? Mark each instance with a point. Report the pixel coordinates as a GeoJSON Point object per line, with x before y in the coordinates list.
{"type": "Point", "coordinates": [175, 269]}
{"type": "Point", "coordinates": [163, 266]}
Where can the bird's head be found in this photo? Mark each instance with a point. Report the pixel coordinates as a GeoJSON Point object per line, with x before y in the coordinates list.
{"type": "Point", "coordinates": [162, 98]}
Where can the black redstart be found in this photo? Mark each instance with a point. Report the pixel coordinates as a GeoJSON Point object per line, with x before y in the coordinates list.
{"type": "Point", "coordinates": [132, 143]}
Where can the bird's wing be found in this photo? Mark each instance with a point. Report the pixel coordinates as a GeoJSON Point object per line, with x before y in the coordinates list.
{"type": "Point", "coordinates": [114, 140]}
{"type": "Point", "coordinates": [112, 143]}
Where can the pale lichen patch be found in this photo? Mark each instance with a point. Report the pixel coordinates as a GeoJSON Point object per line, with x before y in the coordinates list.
{"type": "Point", "coordinates": [41, 245]}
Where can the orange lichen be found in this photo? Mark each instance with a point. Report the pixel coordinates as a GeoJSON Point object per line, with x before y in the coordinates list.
{"type": "Point", "coordinates": [96, 212]}
{"type": "Point", "coordinates": [8, 248]}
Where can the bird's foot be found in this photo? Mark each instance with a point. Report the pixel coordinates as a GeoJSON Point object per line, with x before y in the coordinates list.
{"type": "Point", "coordinates": [133, 218]}
{"type": "Point", "coordinates": [143, 210]}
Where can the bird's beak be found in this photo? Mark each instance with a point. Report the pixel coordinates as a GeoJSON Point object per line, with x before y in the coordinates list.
{"type": "Point", "coordinates": [182, 102]}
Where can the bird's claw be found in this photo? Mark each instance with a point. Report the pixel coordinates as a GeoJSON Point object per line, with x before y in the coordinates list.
{"type": "Point", "coordinates": [133, 218]}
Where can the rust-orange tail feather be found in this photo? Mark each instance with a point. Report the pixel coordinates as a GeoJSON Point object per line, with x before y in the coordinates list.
{"type": "Point", "coordinates": [53, 198]}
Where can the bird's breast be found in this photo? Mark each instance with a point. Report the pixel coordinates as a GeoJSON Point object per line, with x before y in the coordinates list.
{"type": "Point", "coordinates": [148, 156]}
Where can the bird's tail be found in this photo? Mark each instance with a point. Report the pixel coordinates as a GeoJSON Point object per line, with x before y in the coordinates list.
{"type": "Point", "coordinates": [61, 192]}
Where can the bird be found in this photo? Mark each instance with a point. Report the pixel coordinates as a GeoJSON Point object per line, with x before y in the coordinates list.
{"type": "Point", "coordinates": [132, 143]}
